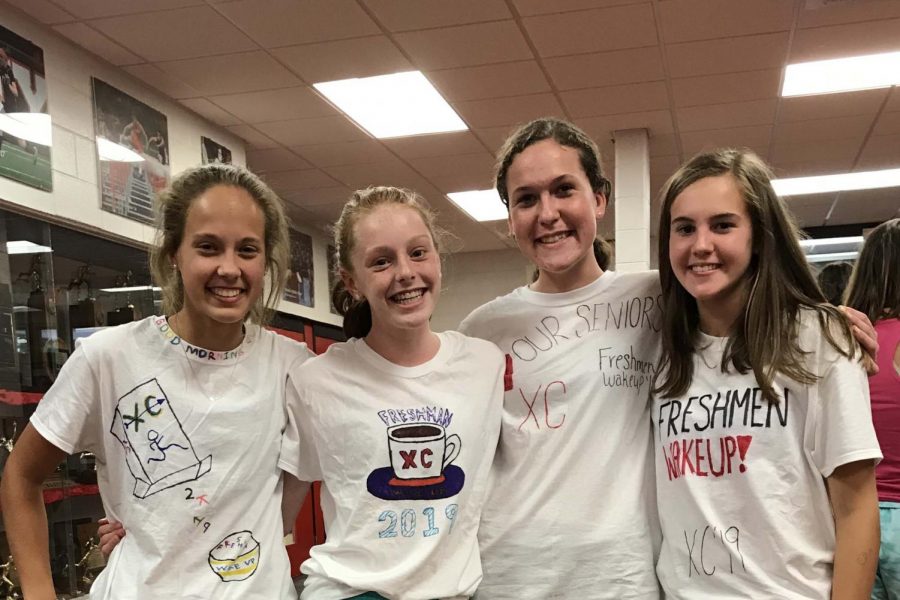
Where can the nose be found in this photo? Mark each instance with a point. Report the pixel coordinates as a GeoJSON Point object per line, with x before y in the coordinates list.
{"type": "Point", "coordinates": [703, 243]}
{"type": "Point", "coordinates": [404, 269]}
{"type": "Point", "coordinates": [228, 266]}
{"type": "Point", "coordinates": [549, 210]}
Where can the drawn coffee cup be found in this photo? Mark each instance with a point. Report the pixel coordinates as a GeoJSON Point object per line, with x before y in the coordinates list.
{"type": "Point", "coordinates": [421, 450]}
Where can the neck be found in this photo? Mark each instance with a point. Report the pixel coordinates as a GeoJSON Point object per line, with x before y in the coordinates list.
{"type": "Point", "coordinates": [557, 283]}
{"type": "Point", "coordinates": [718, 316]}
{"type": "Point", "coordinates": [406, 348]}
{"type": "Point", "coordinates": [216, 336]}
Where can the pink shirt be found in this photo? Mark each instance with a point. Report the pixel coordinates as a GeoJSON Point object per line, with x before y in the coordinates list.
{"type": "Point", "coordinates": [884, 389]}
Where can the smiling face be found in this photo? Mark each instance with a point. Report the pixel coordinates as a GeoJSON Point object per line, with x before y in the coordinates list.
{"type": "Point", "coordinates": [711, 244]}
{"type": "Point", "coordinates": [221, 259]}
{"type": "Point", "coordinates": [553, 215]}
{"type": "Point", "coordinates": [396, 268]}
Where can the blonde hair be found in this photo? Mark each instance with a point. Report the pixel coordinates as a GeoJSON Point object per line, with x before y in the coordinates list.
{"type": "Point", "coordinates": [356, 312]}
{"type": "Point", "coordinates": [173, 205]}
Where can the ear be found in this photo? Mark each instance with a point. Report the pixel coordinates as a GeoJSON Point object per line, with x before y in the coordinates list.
{"type": "Point", "coordinates": [601, 205]}
{"type": "Point", "coordinates": [349, 282]}
{"type": "Point", "coordinates": [509, 226]}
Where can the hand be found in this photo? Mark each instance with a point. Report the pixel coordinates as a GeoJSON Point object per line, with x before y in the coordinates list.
{"type": "Point", "coordinates": [864, 332]}
{"type": "Point", "coordinates": [111, 533]}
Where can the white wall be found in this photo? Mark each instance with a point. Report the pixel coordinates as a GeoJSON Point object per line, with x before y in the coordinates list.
{"type": "Point", "coordinates": [473, 278]}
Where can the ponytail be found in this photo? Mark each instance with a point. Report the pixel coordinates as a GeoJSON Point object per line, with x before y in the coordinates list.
{"type": "Point", "coordinates": [357, 313]}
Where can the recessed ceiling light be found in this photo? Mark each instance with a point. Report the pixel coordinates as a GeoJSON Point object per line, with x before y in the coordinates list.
{"type": "Point", "coordinates": [481, 205]}
{"type": "Point", "coordinates": [395, 105]}
{"type": "Point", "coordinates": [863, 180]}
{"type": "Point", "coordinates": [842, 74]}
{"type": "Point", "coordinates": [114, 152]}
{"type": "Point", "coordinates": [25, 247]}
{"type": "Point", "coordinates": [836, 241]}
{"type": "Point", "coordinates": [133, 288]}
{"type": "Point", "coordinates": [817, 258]}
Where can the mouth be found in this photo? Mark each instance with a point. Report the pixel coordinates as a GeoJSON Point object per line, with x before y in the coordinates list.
{"type": "Point", "coordinates": [226, 293]}
{"type": "Point", "coordinates": [704, 268]}
{"type": "Point", "coordinates": [408, 296]}
{"type": "Point", "coordinates": [552, 238]}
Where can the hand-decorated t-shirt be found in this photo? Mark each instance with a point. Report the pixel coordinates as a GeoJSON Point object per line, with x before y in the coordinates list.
{"type": "Point", "coordinates": [571, 510]}
{"type": "Point", "coordinates": [403, 453]}
{"type": "Point", "coordinates": [741, 482]}
{"type": "Point", "coordinates": [187, 444]}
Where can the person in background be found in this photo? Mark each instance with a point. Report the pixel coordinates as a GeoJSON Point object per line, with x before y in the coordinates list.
{"type": "Point", "coordinates": [875, 290]}
{"type": "Point", "coordinates": [833, 279]}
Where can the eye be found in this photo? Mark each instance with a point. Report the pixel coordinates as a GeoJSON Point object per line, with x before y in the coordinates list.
{"type": "Point", "coordinates": [380, 263]}
{"type": "Point", "coordinates": [564, 190]}
{"type": "Point", "coordinates": [419, 253]}
{"type": "Point", "coordinates": [723, 226]}
{"type": "Point", "coordinates": [525, 200]}
{"type": "Point", "coordinates": [249, 251]}
{"type": "Point", "coordinates": [684, 229]}
{"type": "Point", "coordinates": [205, 247]}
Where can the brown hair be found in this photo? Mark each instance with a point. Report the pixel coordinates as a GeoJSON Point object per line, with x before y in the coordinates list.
{"type": "Point", "coordinates": [764, 338]}
{"type": "Point", "coordinates": [356, 312]}
{"type": "Point", "coordinates": [874, 287]}
{"type": "Point", "coordinates": [173, 205]}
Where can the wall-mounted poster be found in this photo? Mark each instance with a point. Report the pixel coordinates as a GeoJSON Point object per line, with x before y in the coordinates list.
{"type": "Point", "coordinates": [214, 152]}
{"type": "Point", "coordinates": [25, 130]}
{"type": "Point", "coordinates": [299, 288]}
{"type": "Point", "coordinates": [133, 148]}
{"type": "Point", "coordinates": [332, 275]}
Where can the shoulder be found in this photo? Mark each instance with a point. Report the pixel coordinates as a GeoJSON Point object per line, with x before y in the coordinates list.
{"type": "Point", "coordinates": [118, 338]}
{"type": "Point", "coordinates": [822, 334]}
{"type": "Point", "coordinates": [289, 351]}
{"type": "Point", "coordinates": [638, 282]}
{"type": "Point", "coordinates": [468, 345]}
{"type": "Point", "coordinates": [474, 323]}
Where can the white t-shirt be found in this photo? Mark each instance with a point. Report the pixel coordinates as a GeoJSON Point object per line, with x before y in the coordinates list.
{"type": "Point", "coordinates": [187, 444]}
{"type": "Point", "coordinates": [571, 510]}
{"type": "Point", "coordinates": [742, 496]}
{"type": "Point", "coordinates": [403, 453]}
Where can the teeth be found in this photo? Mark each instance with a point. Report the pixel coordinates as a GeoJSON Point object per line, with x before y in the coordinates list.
{"type": "Point", "coordinates": [704, 268]}
{"type": "Point", "coordinates": [407, 297]}
{"type": "Point", "coordinates": [549, 239]}
{"type": "Point", "coordinates": [226, 292]}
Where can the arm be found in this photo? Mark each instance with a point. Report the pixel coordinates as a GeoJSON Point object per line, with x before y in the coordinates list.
{"type": "Point", "coordinates": [865, 334]}
{"type": "Point", "coordinates": [292, 500]}
{"type": "Point", "coordinates": [32, 460]}
{"type": "Point", "coordinates": [854, 503]}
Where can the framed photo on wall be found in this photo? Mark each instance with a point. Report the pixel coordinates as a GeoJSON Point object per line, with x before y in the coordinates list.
{"type": "Point", "coordinates": [133, 152]}
{"type": "Point", "coordinates": [213, 152]}
{"type": "Point", "coordinates": [332, 275]}
{"type": "Point", "coordinates": [25, 129]}
{"type": "Point", "coordinates": [300, 287]}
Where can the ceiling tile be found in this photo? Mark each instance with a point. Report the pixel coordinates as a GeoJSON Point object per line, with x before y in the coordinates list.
{"type": "Point", "coordinates": [888, 124]}
{"type": "Point", "coordinates": [337, 195]}
{"type": "Point", "coordinates": [798, 160]}
{"type": "Point", "coordinates": [461, 181]}
{"type": "Point", "coordinates": [403, 15]}
{"type": "Point", "coordinates": [325, 213]}
{"type": "Point", "coordinates": [304, 179]}
{"type": "Point", "coordinates": [711, 57]}
{"type": "Point", "coordinates": [661, 168]}
{"type": "Point", "coordinates": [508, 111]}
{"type": "Point", "coordinates": [493, 137]}
{"type": "Point", "coordinates": [490, 81]}
{"type": "Point", "coordinates": [725, 88]}
{"type": "Point", "coordinates": [822, 130]}
{"type": "Point", "coordinates": [880, 152]}
{"type": "Point", "coordinates": [656, 122]}
{"type": "Point", "coordinates": [392, 172]}
{"type": "Point", "coordinates": [273, 23]}
{"type": "Point", "coordinates": [97, 43]}
{"type": "Point", "coordinates": [444, 144]}
{"type": "Point", "coordinates": [606, 68]}
{"type": "Point", "coordinates": [43, 10]}
{"type": "Point", "coordinates": [854, 39]}
{"type": "Point", "coordinates": [345, 153]}
{"type": "Point", "coordinates": [755, 138]}
{"type": "Point", "coordinates": [275, 105]}
{"type": "Point", "coordinates": [726, 116]}
{"type": "Point", "coordinates": [172, 34]}
{"type": "Point", "coordinates": [254, 138]}
{"type": "Point", "coordinates": [344, 59]}
{"type": "Point", "coordinates": [168, 85]}
{"type": "Point", "coordinates": [691, 20]}
{"type": "Point", "coordinates": [274, 159]}
{"type": "Point", "coordinates": [210, 111]}
{"type": "Point", "coordinates": [839, 13]}
{"type": "Point", "coordinates": [579, 32]}
{"type": "Point", "coordinates": [829, 106]}
{"type": "Point", "coordinates": [609, 100]}
{"type": "Point", "coordinates": [304, 132]}
{"type": "Point", "coordinates": [236, 73]}
{"type": "Point", "coordinates": [481, 164]}
{"type": "Point", "coordinates": [811, 215]}
{"type": "Point", "coordinates": [542, 7]}
{"type": "Point", "coordinates": [663, 145]}
{"type": "Point", "coordinates": [865, 206]}
{"type": "Point", "coordinates": [93, 9]}
{"type": "Point", "coordinates": [479, 44]}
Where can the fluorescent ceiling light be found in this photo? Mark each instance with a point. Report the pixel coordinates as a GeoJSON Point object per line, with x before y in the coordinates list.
{"type": "Point", "coordinates": [842, 75]}
{"type": "Point", "coordinates": [133, 288]}
{"type": "Point", "coordinates": [838, 241]}
{"type": "Point", "coordinates": [817, 258]}
{"type": "Point", "coordinates": [481, 205]}
{"type": "Point", "coordinates": [393, 105]}
{"type": "Point", "coordinates": [31, 127]}
{"type": "Point", "coordinates": [25, 247]}
{"type": "Point", "coordinates": [863, 180]}
{"type": "Point", "coordinates": [114, 152]}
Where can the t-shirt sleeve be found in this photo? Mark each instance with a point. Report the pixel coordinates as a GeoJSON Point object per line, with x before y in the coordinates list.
{"type": "Point", "coordinates": [69, 414]}
{"type": "Point", "coordinates": [298, 449]}
{"type": "Point", "coordinates": [843, 426]}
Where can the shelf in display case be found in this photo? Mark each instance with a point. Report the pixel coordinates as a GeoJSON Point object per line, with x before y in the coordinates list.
{"type": "Point", "coordinates": [15, 398]}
